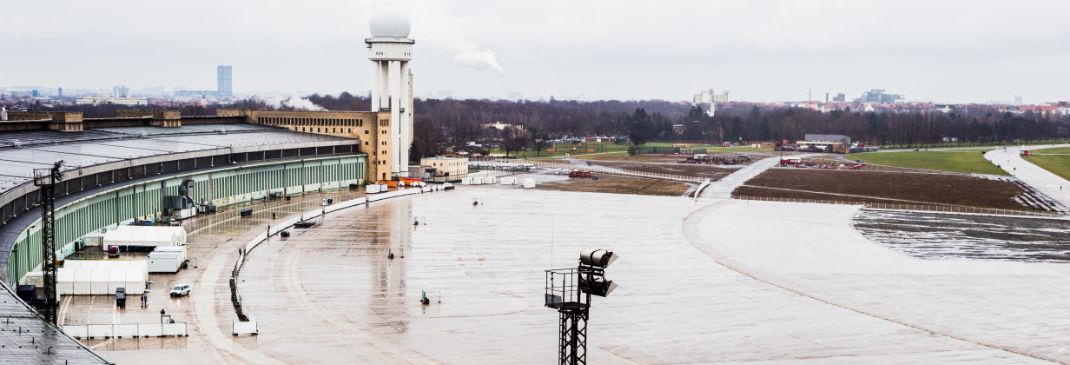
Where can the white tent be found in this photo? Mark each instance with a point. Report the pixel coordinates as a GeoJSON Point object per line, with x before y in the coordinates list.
{"type": "Point", "coordinates": [98, 282]}
{"type": "Point", "coordinates": [64, 282]}
{"type": "Point", "coordinates": [80, 281]}
{"type": "Point", "coordinates": [145, 236]}
{"type": "Point", "coordinates": [97, 277]}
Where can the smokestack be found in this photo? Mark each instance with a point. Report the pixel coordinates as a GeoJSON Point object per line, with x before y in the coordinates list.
{"type": "Point", "coordinates": [826, 97]}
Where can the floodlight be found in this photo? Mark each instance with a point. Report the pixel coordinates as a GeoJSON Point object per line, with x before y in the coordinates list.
{"type": "Point", "coordinates": [597, 257]}
{"type": "Point", "coordinates": [597, 286]}
{"type": "Point", "coordinates": [569, 290]}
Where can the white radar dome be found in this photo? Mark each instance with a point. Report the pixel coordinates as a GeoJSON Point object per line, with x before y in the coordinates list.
{"type": "Point", "coordinates": [389, 22]}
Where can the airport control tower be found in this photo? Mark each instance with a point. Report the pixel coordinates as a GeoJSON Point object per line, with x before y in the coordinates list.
{"type": "Point", "coordinates": [390, 50]}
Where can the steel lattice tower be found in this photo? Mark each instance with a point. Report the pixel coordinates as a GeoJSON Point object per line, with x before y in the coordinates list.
{"type": "Point", "coordinates": [572, 343]}
{"type": "Point", "coordinates": [569, 291]}
{"type": "Point", "coordinates": [47, 179]}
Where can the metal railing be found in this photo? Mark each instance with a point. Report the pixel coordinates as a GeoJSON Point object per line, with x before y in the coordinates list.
{"type": "Point", "coordinates": [504, 163]}
{"type": "Point", "coordinates": [243, 253]}
{"type": "Point", "coordinates": [129, 330]}
{"type": "Point", "coordinates": [934, 208]}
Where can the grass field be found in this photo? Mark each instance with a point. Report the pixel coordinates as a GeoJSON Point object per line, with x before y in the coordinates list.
{"type": "Point", "coordinates": [614, 151]}
{"type": "Point", "coordinates": [1056, 160]}
{"type": "Point", "coordinates": [1053, 151]}
{"type": "Point", "coordinates": [954, 161]}
{"type": "Point", "coordinates": [709, 147]}
{"type": "Point", "coordinates": [560, 149]}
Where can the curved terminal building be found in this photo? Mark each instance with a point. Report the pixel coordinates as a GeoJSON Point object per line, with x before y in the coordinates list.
{"type": "Point", "coordinates": [153, 167]}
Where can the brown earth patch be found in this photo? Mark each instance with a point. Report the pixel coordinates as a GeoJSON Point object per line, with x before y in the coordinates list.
{"type": "Point", "coordinates": [619, 185]}
{"type": "Point", "coordinates": [693, 170]}
{"type": "Point", "coordinates": [884, 186]}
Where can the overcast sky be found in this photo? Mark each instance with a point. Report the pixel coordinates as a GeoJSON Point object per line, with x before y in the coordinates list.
{"type": "Point", "coordinates": [953, 51]}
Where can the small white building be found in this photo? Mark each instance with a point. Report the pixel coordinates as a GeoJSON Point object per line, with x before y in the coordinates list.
{"type": "Point", "coordinates": [450, 168]}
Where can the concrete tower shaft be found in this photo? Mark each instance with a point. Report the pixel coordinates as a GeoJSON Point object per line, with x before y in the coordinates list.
{"type": "Point", "coordinates": [390, 50]}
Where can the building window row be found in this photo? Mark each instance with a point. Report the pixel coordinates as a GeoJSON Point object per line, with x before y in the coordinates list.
{"type": "Point", "coordinates": [291, 121]}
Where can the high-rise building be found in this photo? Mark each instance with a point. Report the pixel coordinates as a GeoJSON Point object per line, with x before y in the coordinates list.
{"type": "Point", "coordinates": [879, 96]}
{"type": "Point", "coordinates": [59, 92]}
{"type": "Point", "coordinates": [120, 91]}
{"type": "Point", "coordinates": [707, 100]}
{"type": "Point", "coordinates": [224, 85]}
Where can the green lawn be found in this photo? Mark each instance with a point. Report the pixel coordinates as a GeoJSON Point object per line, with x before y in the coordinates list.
{"type": "Point", "coordinates": [560, 149]}
{"type": "Point", "coordinates": [1053, 151]}
{"type": "Point", "coordinates": [1056, 160]}
{"type": "Point", "coordinates": [955, 161]}
{"type": "Point", "coordinates": [712, 148]}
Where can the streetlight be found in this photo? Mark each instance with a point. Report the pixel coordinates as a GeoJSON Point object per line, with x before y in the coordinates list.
{"type": "Point", "coordinates": [569, 290]}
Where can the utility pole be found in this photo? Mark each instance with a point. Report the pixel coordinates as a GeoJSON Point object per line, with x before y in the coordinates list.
{"type": "Point", "coordinates": [47, 179]}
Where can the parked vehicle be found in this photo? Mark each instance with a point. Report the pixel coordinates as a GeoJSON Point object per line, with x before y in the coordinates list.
{"type": "Point", "coordinates": [180, 290]}
{"type": "Point", "coordinates": [28, 294]}
{"type": "Point", "coordinates": [247, 212]}
{"type": "Point", "coordinates": [120, 297]}
{"type": "Point", "coordinates": [113, 252]}
{"type": "Point", "coordinates": [579, 174]}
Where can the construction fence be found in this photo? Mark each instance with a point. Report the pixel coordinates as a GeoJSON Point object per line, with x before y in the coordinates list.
{"type": "Point", "coordinates": [514, 164]}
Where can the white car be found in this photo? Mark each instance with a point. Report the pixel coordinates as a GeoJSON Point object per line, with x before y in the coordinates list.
{"type": "Point", "coordinates": [180, 290]}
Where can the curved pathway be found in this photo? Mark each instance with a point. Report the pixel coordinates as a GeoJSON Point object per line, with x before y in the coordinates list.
{"type": "Point", "coordinates": [1010, 159]}
{"type": "Point", "coordinates": [723, 188]}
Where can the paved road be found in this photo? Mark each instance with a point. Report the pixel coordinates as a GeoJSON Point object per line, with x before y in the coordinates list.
{"type": "Point", "coordinates": [1010, 160]}
{"type": "Point", "coordinates": [723, 188]}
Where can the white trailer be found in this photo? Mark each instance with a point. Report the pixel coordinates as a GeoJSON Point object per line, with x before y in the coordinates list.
{"type": "Point", "coordinates": [375, 188]}
{"type": "Point", "coordinates": [166, 259]}
{"type": "Point", "coordinates": [164, 262]}
{"type": "Point", "coordinates": [93, 239]}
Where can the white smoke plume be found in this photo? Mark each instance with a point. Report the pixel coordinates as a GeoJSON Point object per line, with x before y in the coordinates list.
{"type": "Point", "coordinates": [296, 102]}
{"type": "Point", "coordinates": [468, 54]}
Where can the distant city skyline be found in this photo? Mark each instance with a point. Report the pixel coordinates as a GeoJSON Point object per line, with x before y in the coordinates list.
{"type": "Point", "coordinates": [947, 51]}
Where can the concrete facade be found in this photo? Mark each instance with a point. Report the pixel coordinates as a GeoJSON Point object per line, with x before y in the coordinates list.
{"type": "Point", "coordinates": [447, 166]}
{"type": "Point", "coordinates": [371, 129]}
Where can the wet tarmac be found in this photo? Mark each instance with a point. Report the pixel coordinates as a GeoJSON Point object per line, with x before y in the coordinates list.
{"type": "Point", "coordinates": [944, 236]}
{"type": "Point", "coordinates": [213, 237]}
{"type": "Point", "coordinates": [715, 281]}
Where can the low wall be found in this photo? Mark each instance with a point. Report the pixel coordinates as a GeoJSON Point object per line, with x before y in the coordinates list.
{"type": "Point", "coordinates": [249, 326]}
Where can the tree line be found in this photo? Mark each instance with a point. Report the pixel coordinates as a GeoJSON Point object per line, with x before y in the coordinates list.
{"type": "Point", "coordinates": [442, 123]}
